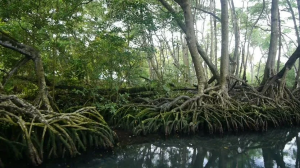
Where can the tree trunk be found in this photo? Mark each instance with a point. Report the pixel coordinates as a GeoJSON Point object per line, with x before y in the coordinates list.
{"type": "Point", "coordinates": [270, 65]}
{"type": "Point", "coordinates": [252, 66]}
{"type": "Point", "coordinates": [151, 71]}
{"type": "Point", "coordinates": [236, 54]}
{"type": "Point", "coordinates": [150, 56]}
{"type": "Point", "coordinates": [294, 20]}
{"type": "Point", "coordinates": [297, 80]}
{"type": "Point", "coordinates": [242, 64]}
{"type": "Point", "coordinates": [280, 43]}
{"type": "Point", "coordinates": [258, 69]}
{"type": "Point", "coordinates": [211, 33]}
{"type": "Point", "coordinates": [192, 43]}
{"type": "Point", "coordinates": [207, 73]}
{"type": "Point", "coordinates": [6, 41]}
{"type": "Point", "coordinates": [246, 57]}
{"type": "Point", "coordinates": [224, 50]}
{"type": "Point", "coordinates": [184, 28]}
{"type": "Point", "coordinates": [215, 37]}
{"type": "Point", "coordinates": [186, 61]}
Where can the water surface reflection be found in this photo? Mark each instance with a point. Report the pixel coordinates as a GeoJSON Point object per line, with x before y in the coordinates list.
{"type": "Point", "coordinates": [278, 148]}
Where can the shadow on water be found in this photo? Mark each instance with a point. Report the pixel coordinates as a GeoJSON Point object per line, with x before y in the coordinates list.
{"type": "Point", "coordinates": [276, 148]}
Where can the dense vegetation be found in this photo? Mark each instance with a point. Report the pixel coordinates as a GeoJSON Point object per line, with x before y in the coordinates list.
{"type": "Point", "coordinates": [71, 70]}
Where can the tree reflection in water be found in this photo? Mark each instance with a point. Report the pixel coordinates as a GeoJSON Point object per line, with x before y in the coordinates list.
{"type": "Point", "coordinates": [271, 149]}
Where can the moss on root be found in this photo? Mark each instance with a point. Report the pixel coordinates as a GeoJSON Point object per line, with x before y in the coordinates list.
{"type": "Point", "coordinates": [210, 112]}
{"type": "Point", "coordinates": [37, 134]}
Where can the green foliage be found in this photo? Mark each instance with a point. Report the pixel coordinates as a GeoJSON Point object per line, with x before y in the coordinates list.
{"type": "Point", "coordinates": [23, 88]}
{"type": "Point", "coordinates": [256, 9]}
{"type": "Point", "coordinates": [132, 13]}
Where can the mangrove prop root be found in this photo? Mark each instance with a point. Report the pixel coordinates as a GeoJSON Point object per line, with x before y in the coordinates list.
{"type": "Point", "coordinates": [214, 111]}
{"type": "Point", "coordinates": [44, 132]}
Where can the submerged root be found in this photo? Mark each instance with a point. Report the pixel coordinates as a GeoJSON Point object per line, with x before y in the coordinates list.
{"type": "Point", "coordinates": [47, 133]}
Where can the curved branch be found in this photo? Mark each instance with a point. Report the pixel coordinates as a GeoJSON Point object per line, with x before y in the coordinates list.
{"type": "Point", "coordinates": [288, 65]}
{"type": "Point", "coordinates": [9, 42]}
{"type": "Point", "coordinates": [31, 53]}
{"type": "Point", "coordinates": [210, 13]}
{"type": "Point", "coordinates": [262, 10]}
{"type": "Point", "coordinates": [290, 62]}
{"type": "Point", "coordinates": [15, 69]}
{"type": "Point", "coordinates": [294, 20]}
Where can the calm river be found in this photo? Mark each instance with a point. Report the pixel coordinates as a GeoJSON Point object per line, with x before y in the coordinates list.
{"type": "Point", "coordinates": [276, 148]}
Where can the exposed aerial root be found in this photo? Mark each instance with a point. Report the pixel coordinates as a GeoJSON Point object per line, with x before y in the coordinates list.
{"type": "Point", "coordinates": [215, 111]}
{"type": "Point", "coordinates": [42, 101]}
{"type": "Point", "coordinates": [47, 133]}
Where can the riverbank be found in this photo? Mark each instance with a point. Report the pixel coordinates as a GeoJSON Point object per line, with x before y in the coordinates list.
{"type": "Point", "coordinates": [40, 135]}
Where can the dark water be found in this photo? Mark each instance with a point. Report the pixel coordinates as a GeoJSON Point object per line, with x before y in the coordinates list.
{"type": "Point", "coordinates": [277, 148]}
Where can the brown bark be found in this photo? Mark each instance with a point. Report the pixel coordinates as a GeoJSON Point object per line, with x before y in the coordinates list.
{"type": "Point", "coordinates": [290, 63]}
{"type": "Point", "coordinates": [297, 80]}
{"type": "Point", "coordinates": [215, 37]}
{"type": "Point", "coordinates": [236, 54]}
{"type": "Point", "coordinates": [280, 43]}
{"type": "Point", "coordinates": [281, 74]}
{"type": "Point", "coordinates": [211, 33]}
{"type": "Point", "coordinates": [242, 62]}
{"type": "Point", "coordinates": [252, 66]}
{"type": "Point", "coordinates": [270, 65]}
{"type": "Point", "coordinates": [31, 53]}
{"type": "Point", "coordinates": [192, 43]}
{"type": "Point", "coordinates": [224, 50]}
{"type": "Point", "coordinates": [298, 6]}
{"type": "Point", "coordinates": [186, 61]}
